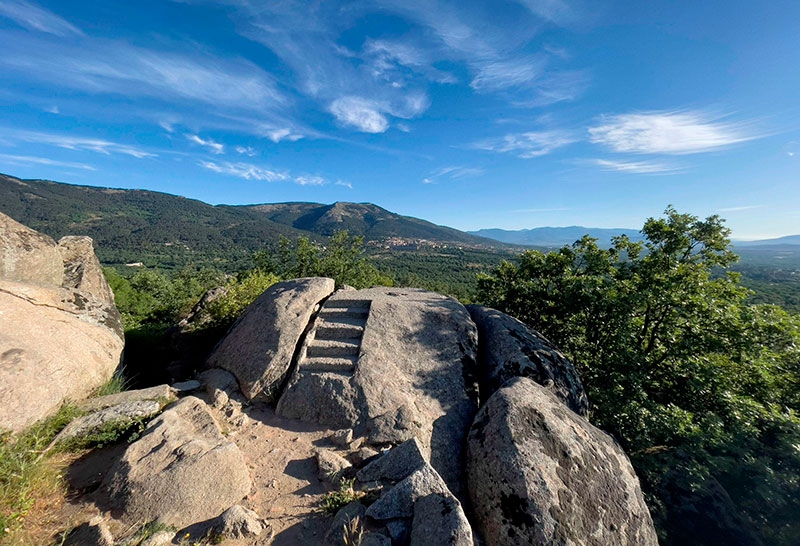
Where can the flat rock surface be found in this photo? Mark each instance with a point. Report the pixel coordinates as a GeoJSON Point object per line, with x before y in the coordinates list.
{"type": "Point", "coordinates": [259, 348]}
{"type": "Point", "coordinates": [508, 348]}
{"type": "Point", "coordinates": [537, 473]}
{"type": "Point", "coordinates": [158, 393]}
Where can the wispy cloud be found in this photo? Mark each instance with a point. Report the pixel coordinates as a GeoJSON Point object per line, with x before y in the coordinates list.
{"type": "Point", "coordinates": [453, 173]}
{"type": "Point", "coordinates": [670, 132]}
{"type": "Point", "coordinates": [212, 145]}
{"type": "Point", "coordinates": [35, 18]}
{"type": "Point", "coordinates": [527, 145]}
{"type": "Point", "coordinates": [79, 143]}
{"type": "Point", "coordinates": [247, 171]}
{"type": "Point", "coordinates": [245, 150]}
{"type": "Point", "coordinates": [103, 66]}
{"type": "Point", "coordinates": [310, 180]}
{"type": "Point", "coordinates": [637, 167]}
{"type": "Point", "coordinates": [556, 11]}
{"type": "Point", "coordinates": [741, 208]}
{"type": "Point", "coordinates": [26, 160]}
{"type": "Point", "coordinates": [277, 135]}
{"type": "Point", "coordinates": [344, 183]}
{"type": "Point", "coordinates": [363, 114]}
{"type": "Point", "coordinates": [502, 74]}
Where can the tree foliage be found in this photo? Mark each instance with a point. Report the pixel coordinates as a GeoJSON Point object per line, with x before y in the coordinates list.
{"type": "Point", "coordinates": [342, 259]}
{"type": "Point", "coordinates": [699, 387]}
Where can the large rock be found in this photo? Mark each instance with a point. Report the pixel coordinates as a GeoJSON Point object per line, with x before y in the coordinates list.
{"type": "Point", "coordinates": [259, 348]}
{"type": "Point", "coordinates": [392, 364]}
{"type": "Point", "coordinates": [49, 353]}
{"type": "Point", "coordinates": [82, 270]}
{"type": "Point", "coordinates": [537, 473]}
{"type": "Point", "coordinates": [181, 471]}
{"type": "Point", "coordinates": [60, 333]}
{"type": "Point", "coordinates": [28, 256]}
{"type": "Point", "coordinates": [507, 348]}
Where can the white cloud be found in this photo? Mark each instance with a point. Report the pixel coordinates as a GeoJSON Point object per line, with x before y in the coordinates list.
{"type": "Point", "coordinates": [245, 170]}
{"type": "Point", "coordinates": [665, 132]}
{"type": "Point", "coordinates": [215, 147]}
{"type": "Point", "coordinates": [103, 66]}
{"type": "Point", "coordinates": [245, 150]}
{"type": "Point", "coordinates": [248, 171]}
{"type": "Point", "coordinates": [453, 173]}
{"type": "Point", "coordinates": [35, 18]}
{"type": "Point", "coordinates": [637, 167]}
{"type": "Point", "coordinates": [79, 143]}
{"type": "Point", "coordinates": [527, 145]}
{"type": "Point", "coordinates": [53, 110]}
{"type": "Point", "coordinates": [277, 135]}
{"type": "Point", "coordinates": [742, 208]}
{"type": "Point", "coordinates": [496, 75]}
{"type": "Point", "coordinates": [556, 11]}
{"type": "Point", "coordinates": [363, 114]}
{"type": "Point", "coordinates": [25, 159]}
{"type": "Point", "coordinates": [347, 185]}
{"type": "Point", "coordinates": [310, 180]}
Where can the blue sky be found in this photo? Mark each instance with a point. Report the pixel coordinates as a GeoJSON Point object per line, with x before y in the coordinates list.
{"type": "Point", "coordinates": [511, 114]}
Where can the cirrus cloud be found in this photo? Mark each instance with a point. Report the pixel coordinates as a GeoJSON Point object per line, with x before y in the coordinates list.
{"type": "Point", "coordinates": [669, 132]}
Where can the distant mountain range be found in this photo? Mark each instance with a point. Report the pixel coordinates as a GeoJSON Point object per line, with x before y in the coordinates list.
{"type": "Point", "coordinates": [556, 237]}
{"type": "Point", "coordinates": [137, 225]}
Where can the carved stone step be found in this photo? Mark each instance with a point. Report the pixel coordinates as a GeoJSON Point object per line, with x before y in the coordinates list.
{"type": "Point", "coordinates": [332, 348]}
{"type": "Point", "coordinates": [328, 364]}
{"type": "Point", "coordinates": [340, 329]}
{"type": "Point", "coordinates": [339, 303]}
{"type": "Point", "coordinates": [344, 312]}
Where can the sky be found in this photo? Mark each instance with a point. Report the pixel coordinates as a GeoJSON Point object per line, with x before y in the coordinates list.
{"type": "Point", "coordinates": [499, 114]}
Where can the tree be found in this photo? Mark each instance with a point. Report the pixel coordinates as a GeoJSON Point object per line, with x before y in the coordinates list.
{"type": "Point", "coordinates": [343, 260]}
{"type": "Point", "coordinates": [700, 388]}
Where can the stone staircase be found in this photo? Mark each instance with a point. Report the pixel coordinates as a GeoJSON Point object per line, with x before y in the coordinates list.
{"type": "Point", "coordinates": [335, 341]}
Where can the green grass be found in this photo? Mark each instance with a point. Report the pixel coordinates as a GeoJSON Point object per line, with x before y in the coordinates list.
{"type": "Point", "coordinates": [335, 500]}
{"type": "Point", "coordinates": [23, 473]}
{"type": "Point", "coordinates": [117, 383]}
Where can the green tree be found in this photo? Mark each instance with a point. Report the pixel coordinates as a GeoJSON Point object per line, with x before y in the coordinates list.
{"type": "Point", "coordinates": [700, 388]}
{"type": "Point", "coordinates": [342, 259]}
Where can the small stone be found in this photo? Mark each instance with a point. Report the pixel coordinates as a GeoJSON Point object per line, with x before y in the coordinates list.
{"type": "Point", "coordinates": [399, 501]}
{"type": "Point", "coordinates": [395, 464]}
{"type": "Point", "coordinates": [237, 522]}
{"type": "Point", "coordinates": [343, 437]}
{"type": "Point", "coordinates": [186, 386]}
{"type": "Point", "coordinates": [331, 466]}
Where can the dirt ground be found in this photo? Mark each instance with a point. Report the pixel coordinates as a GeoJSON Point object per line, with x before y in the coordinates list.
{"type": "Point", "coordinates": [286, 492]}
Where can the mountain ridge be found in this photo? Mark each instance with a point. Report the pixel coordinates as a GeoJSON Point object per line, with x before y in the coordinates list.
{"type": "Point", "coordinates": [134, 225]}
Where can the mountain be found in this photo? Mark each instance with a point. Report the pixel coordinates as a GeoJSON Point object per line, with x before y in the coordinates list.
{"type": "Point", "coordinates": [789, 240]}
{"type": "Point", "coordinates": [555, 236]}
{"type": "Point", "coordinates": [168, 230]}
{"type": "Point", "coordinates": [370, 221]}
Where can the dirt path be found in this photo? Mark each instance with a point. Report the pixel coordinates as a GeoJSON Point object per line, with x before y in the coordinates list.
{"type": "Point", "coordinates": [280, 454]}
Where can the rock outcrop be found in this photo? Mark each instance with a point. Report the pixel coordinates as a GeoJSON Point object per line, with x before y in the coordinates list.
{"type": "Point", "coordinates": [508, 349]}
{"type": "Point", "coordinates": [259, 348]}
{"type": "Point", "coordinates": [538, 473]}
{"type": "Point", "coordinates": [181, 471]}
{"type": "Point", "coordinates": [393, 364]}
{"type": "Point", "coordinates": [60, 333]}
